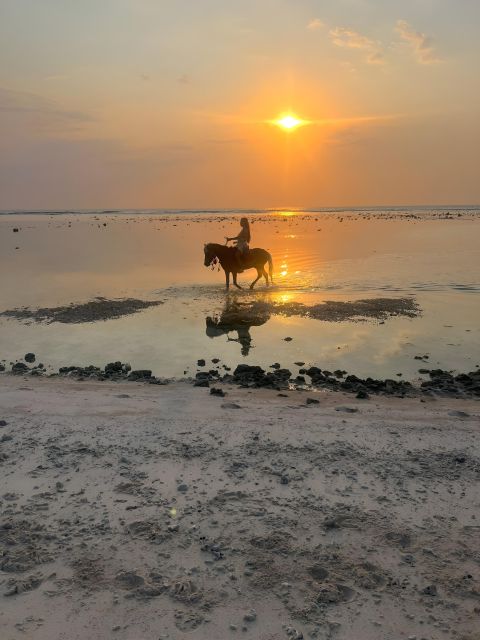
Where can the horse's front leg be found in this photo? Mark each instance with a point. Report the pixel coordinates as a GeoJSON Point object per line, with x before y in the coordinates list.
{"type": "Point", "coordinates": [259, 275]}
{"type": "Point", "coordinates": [227, 279]}
{"type": "Point", "coordinates": [235, 274]}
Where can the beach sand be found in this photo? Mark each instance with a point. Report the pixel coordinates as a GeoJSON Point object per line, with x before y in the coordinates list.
{"type": "Point", "coordinates": [145, 512]}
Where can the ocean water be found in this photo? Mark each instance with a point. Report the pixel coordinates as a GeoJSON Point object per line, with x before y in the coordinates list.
{"type": "Point", "coordinates": [429, 254]}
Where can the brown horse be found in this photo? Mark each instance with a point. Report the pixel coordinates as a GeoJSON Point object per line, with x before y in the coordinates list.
{"type": "Point", "coordinates": [254, 259]}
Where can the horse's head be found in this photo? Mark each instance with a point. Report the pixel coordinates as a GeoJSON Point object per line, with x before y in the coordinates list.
{"type": "Point", "coordinates": [210, 254]}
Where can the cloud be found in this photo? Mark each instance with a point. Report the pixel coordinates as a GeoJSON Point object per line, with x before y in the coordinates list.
{"type": "Point", "coordinates": [315, 24]}
{"type": "Point", "coordinates": [43, 112]}
{"type": "Point", "coordinates": [350, 39]}
{"type": "Point", "coordinates": [421, 44]}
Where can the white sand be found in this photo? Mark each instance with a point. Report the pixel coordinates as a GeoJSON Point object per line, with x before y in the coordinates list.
{"type": "Point", "coordinates": [374, 507]}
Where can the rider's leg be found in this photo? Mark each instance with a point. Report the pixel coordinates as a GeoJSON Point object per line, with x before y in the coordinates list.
{"type": "Point", "coordinates": [238, 260]}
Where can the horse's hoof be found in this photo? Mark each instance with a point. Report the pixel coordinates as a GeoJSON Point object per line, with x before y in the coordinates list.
{"type": "Point", "coordinates": [251, 286]}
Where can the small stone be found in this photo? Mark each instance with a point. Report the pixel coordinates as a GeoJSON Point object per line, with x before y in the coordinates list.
{"type": "Point", "coordinates": [430, 590]}
{"type": "Point", "coordinates": [201, 362]}
{"type": "Point", "coordinates": [250, 616]}
{"type": "Point", "coordinates": [346, 409]}
{"type": "Point", "coordinates": [288, 339]}
{"type": "Point", "coordinates": [183, 488]}
{"type": "Point", "coordinates": [29, 357]}
{"type": "Point", "coordinates": [362, 394]}
{"type": "Point", "coordinates": [217, 392]}
{"type": "Point", "coordinates": [313, 401]}
{"type": "Point", "coordinates": [3, 423]}
{"type": "Point", "coordinates": [284, 480]}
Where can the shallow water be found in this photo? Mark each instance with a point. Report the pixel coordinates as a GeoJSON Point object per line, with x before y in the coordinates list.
{"type": "Point", "coordinates": [428, 254]}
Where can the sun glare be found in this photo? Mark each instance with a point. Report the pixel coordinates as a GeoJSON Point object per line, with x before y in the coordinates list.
{"type": "Point", "coordinates": [288, 122]}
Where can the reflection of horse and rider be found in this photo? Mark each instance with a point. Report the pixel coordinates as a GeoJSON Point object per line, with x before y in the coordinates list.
{"type": "Point", "coordinates": [239, 318]}
{"type": "Point", "coordinates": [235, 260]}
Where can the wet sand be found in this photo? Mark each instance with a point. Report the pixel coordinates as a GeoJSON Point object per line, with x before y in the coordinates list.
{"type": "Point", "coordinates": [136, 511]}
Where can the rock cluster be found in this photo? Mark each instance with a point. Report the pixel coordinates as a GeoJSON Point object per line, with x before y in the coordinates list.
{"type": "Point", "coordinates": [254, 376]}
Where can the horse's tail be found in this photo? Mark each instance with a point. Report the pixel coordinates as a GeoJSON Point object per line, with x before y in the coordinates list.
{"type": "Point", "coordinates": [270, 267]}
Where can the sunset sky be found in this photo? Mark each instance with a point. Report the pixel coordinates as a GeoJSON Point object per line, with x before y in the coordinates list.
{"type": "Point", "coordinates": [156, 103]}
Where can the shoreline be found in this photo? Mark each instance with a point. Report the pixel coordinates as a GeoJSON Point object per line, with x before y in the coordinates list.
{"type": "Point", "coordinates": [144, 511]}
{"type": "Point", "coordinates": [440, 383]}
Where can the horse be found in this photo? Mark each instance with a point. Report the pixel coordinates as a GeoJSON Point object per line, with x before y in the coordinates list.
{"type": "Point", "coordinates": [254, 259]}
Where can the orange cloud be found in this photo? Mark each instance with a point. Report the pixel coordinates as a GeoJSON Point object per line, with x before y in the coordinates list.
{"type": "Point", "coordinates": [350, 39]}
{"type": "Point", "coordinates": [421, 44]}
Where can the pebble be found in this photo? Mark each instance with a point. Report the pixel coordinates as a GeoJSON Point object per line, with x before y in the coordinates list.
{"type": "Point", "coordinates": [346, 409]}
{"type": "Point", "coordinates": [250, 616]}
{"type": "Point", "coordinates": [183, 488]}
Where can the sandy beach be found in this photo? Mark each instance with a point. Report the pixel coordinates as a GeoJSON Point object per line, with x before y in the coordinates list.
{"type": "Point", "coordinates": [146, 512]}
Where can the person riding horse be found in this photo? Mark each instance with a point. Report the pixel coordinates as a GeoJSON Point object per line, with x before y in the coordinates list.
{"type": "Point", "coordinates": [234, 260]}
{"type": "Point", "coordinates": [242, 243]}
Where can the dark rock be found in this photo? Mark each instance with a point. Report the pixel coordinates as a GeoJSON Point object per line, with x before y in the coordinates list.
{"type": "Point", "coordinates": [346, 409]}
{"type": "Point", "coordinates": [114, 367]}
{"type": "Point", "coordinates": [19, 367]}
{"type": "Point", "coordinates": [362, 394]}
{"type": "Point", "coordinates": [15, 230]}
{"type": "Point", "coordinates": [430, 590]}
{"type": "Point", "coordinates": [288, 339]}
{"type": "Point", "coordinates": [275, 365]}
{"type": "Point", "coordinates": [2, 367]}
{"type": "Point", "coordinates": [312, 401]}
{"type": "Point", "coordinates": [29, 357]}
{"type": "Point", "coordinates": [217, 392]}
{"type": "Point", "coordinates": [284, 480]}
{"type": "Point", "coordinates": [183, 488]}
{"type": "Point", "coordinates": [202, 382]}
{"type": "Point", "coordinates": [140, 374]}
{"type": "Point", "coordinates": [3, 423]}
{"type": "Point", "coordinates": [201, 362]}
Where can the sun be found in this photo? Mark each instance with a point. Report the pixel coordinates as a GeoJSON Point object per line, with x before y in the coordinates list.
{"type": "Point", "coordinates": [289, 122]}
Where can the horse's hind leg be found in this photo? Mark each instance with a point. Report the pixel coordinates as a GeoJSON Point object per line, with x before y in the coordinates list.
{"type": "Point", "coordinates": [265, 275]}
{"type": "Point", "coordinates": [227, 279]}
{"type": "Point", "coordinates": [259, 275]}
